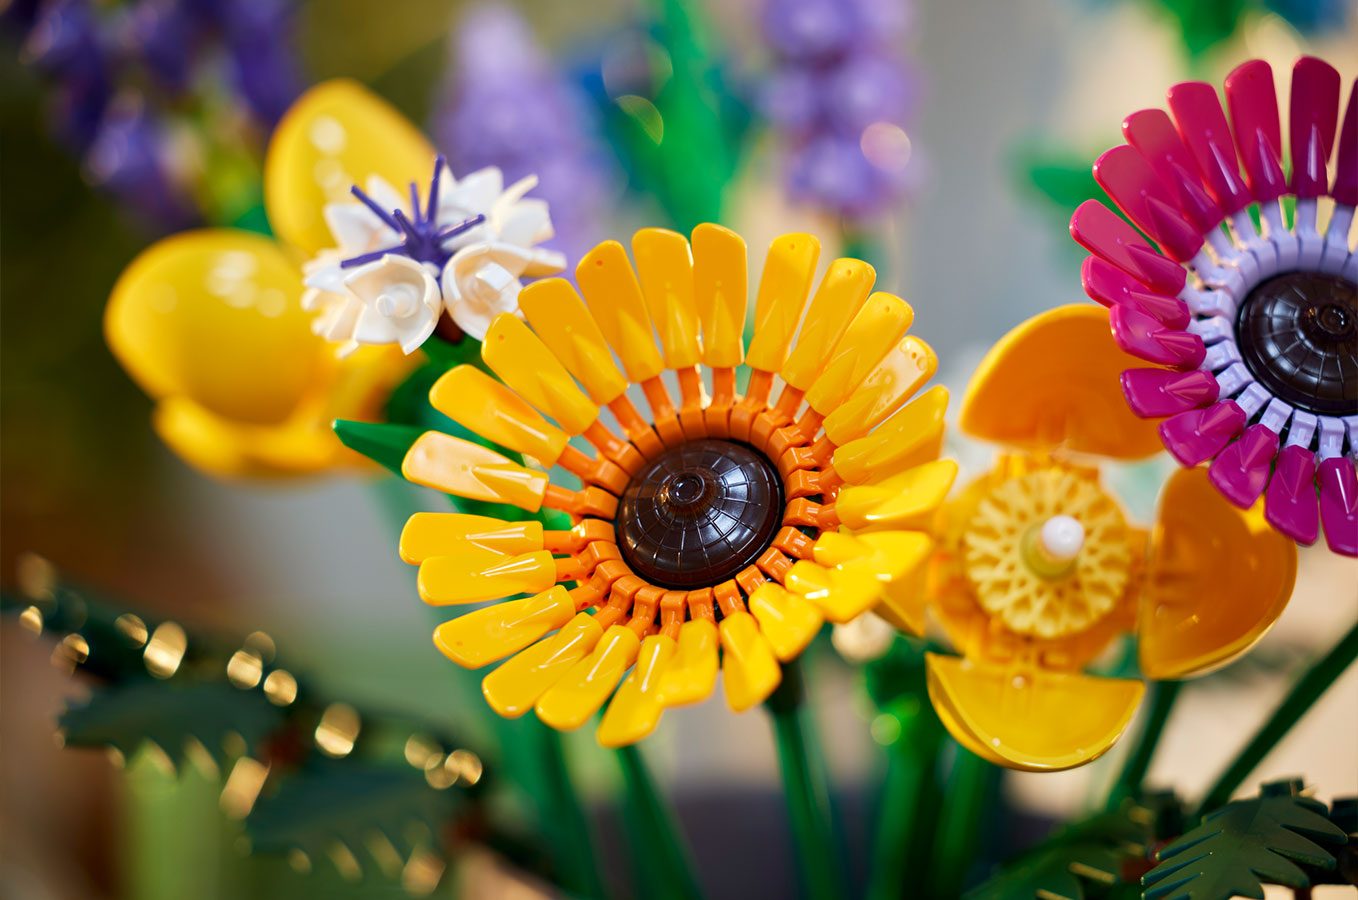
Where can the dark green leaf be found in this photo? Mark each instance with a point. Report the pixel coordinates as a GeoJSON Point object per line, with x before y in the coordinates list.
{"type": "Point", "coordinates": [385, 444]}
{"type": "Point", "coordinates": [168, 713]}
{"type": "Point", "coordinates": [1245, 844]}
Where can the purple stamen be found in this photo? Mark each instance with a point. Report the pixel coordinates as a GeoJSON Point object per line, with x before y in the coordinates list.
{"type": "Point", "coordinates": [464, 225]}
{"type": "Point", "coordinates": [421, 239]}
{"type": "Point", "coordinates": [439, 162]}
{"type": "Point", "coordinates": [415, 202]}
{"type": "Point", "coordinates": [364, 258]}
{"type": "Point", "coordinates": [372, 205]}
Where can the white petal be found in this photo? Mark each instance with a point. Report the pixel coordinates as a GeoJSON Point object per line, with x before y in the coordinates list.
{"type": "Point", "coordinates": [357, 229]}
{"type": "Point", "coordinates": [525, 223]}
{"type": "Point", "coordinates": [474, 193]}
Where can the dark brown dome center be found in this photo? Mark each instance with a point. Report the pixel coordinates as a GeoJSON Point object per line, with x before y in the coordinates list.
{"type": "Point", "coordinates": [699, 513]}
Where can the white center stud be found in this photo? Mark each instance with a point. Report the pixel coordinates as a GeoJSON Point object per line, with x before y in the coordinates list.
{"type": "Point", "coordinates": [1062, 537]}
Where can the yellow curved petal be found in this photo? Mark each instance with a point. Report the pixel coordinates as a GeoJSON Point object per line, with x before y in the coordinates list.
{"type": "Point", "coordinates": [886, 389]}
{"type": "Point", "coordinates": [429, 534]}
{"type": "Point", "coordinates": [471, 574]}
{"type": "Point", "coordinates": [215, 316]}
{"type": "Point", "coordinates": [334, 136]}
{"type": "Point", "coordinates": [665, 270]}
{"type": "Point", "coordinates": [907, 501]}
{"type": "Point", "coordinates": [692, 672]}
{"type": "Point", "coordinates": [560, 318]}
{"type": "Point", "coordinates": [842, 292]}
{"type": "Point", "coordinates": [514, 688]}
{"type": "Point", "coordinates": [842, 594]}
{"type": "Point", "coordinates": [493, 632]}
{"type": "Point", "coordinates": [521, 359]}
{"type": "Point", "coordinates": [1053, 381]}
{"type": "Point", "coordinates": [610, 287]}
{"type": "Point", "coordinates": [721, 289]}
{"type": "Point", "coordinates": [486, 407]}
{"type": "Point", "coordinates": [911, 437]}
{"type": "Point", "coordinates": [749, 669]}
{"type": "Point", "coordinates": [879, 325]}
{"type": "Point", "coordinates": [638, 704]}
{"type": "Point", "coordinates": [1037, 721]}
{"type": "Point", "coordinates": [455, 466]}
{"type": "Point", "coordinates": [584, 688]}
{"type": "Point", "coordinates": [1217, 579]}
{"type": "Point", "coordinates": [788, 621]}
{"type": "Point", "coordinates": [229, 449]}
{"type": "Point", "coordinates": [783, 289]}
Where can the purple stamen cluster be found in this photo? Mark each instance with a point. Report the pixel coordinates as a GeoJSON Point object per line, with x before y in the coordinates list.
{"type": "Point", "coordinates": [421, 237]}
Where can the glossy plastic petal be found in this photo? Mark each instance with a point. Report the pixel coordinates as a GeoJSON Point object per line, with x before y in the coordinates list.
{"type": "Point", "coordinates": [486, 407]}
{"type": "Point", "coordinates": [614, 296]}
{"type": "Point", "coordinates": [1102, 232]}
{"type": "Point", "coordinates": [879, 325]}
{"type": "Point", "coordinates": [584, 688]}
{"type": "Point", "coordinates": [1138, 192]}
{"type": "Point", "coordinates": [472, 574]}
{"type": "Point", "coordinates": [749, 670]}
{"type": "Point", "coordinates": [1313, 115]}
{"type": "Point", "coordinates": [783, 289]}
{"type": "Point", "coordinates": [1216, 580]}
{"type": "Point", "coordinates": [524, 363]}
{"type": "Point", "coordinates": [1253, 102]}
{"type": "Point", "coordinates": [469, 470]}
{"type": "Point", "coordinates": [1154, 136]}
{"type": "Point", "coordinates": [665, 271]}
{"type": "Point", "coordinates": [692, 672]}
{"type": "Point", "coordinates": [786, 619]}
{"type": "Point", "coordinates": [1037, 721]}
{"type": "Point", "coordinates": [514, 688]}
{"type": "Point", "coordinates": [1202, 123]}
{"type": "Point", "coordinates": [912, 436]}
{"type": "Point", "coordinates": [842, 594]}
{"type": "Point", "coordinates": [1053, 382]}
{"type": "Point", "coordinates": [560, 318]}
{"type": "Point", "coordinates": [429, 534]}
{"type": "Point", "coordinates": [907, 501]}
{"type": "Point", "coordinates": [334, 136]}
{"type": "Point", "coordinates": [638, 704]}
{"type": "Point", "coordinates": [215, 316]}
{"type": "Point", "coordinates": [841, 294]}
{"type": "Point", "coordinates": [494, 632]}
{"type": "Point", "coordinates": [886, 389]}
{"type": "Point", "coordinates": [721, 289]}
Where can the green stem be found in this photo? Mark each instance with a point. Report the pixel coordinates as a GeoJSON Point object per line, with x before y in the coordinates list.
{"type": "Point", "coordinates": [909, 806]}
{"type": "Point", "coordinates": [805, 789]}
{"type": "Point", "coordinates": [1314, 681]}
{"type": "Point", "coordinates": [661, 855]}
{"type": "Point", "coordinates": [1128, 784]}
{"type": "Point", "coordinates": [573, 852]}
{"type": "Point", "coordinates": [972, 784]}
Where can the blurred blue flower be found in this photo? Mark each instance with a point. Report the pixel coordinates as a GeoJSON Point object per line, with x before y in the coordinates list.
{"type": "Point", "coordinates": [504, 104]}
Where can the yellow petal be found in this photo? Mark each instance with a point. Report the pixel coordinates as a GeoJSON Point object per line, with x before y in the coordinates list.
{"type": "Point", "coordinates": [560, 318]}
{"type": "Point", "coordinates": [665, 270]}
{"type": "Point", "coordinates": [721, 288]}
{"type": "Point", "coordinates": [879, 325]}
{"type": "Point", "coordinates": [513, 688]}
{"type": "Point", "coordinates": [471, 574]}
{"type": "Point", "coordinates": [906, 501]}
{"type": "Point", "coordinates": [904, 595]}
{"type": "Point", "coordinates": [334, 136]}
{"type": "Point", "coordinates": [493, 632]}
{"type": "Point", "coordinates": [429, 534]}
{"type": "Point", "coordinates": [228, 449]}
{"type": "Point", "coordinates": [912, 436]}
{"type": "Point", "coordinates": [842, 292]}
{"type": "Point", "coordinates": [787, 620]}
{"type": "Point", "coordinates": [692, 672]}
{"type": "Point", "coordinates": [1038, 721]}
{"type": "Point", "coordinates": [614, 297]}
{"type": "Point", "coordinates": [896, 378]}
{"type": "Point", "coordinates": [636, 707]}
{"type": "Point", "coordinates": [783, 288]}
{"type": "Point", "coordinates": [585, 687]}
{"type": "Point", "coordinates": [749, 669]}
{"type": "Point", "coordinates": [842, 594]}
{"type": "Point", "coordinates": [1054, 380]}
{"type": "Point", "coordinates": [890, 556]}
{"type": "Point", "coordinates": [486, 407]}
{"type": "Point", "coordinates": [215, 316]}
{"type": "Point", "coordinates": [1217, 580]}
{"type": "Point", "coordinates": [469, 470]}
{"type": "Point", "coordinates": [524, 363]}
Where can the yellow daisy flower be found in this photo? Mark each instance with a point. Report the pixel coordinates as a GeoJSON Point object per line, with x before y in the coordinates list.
{"type": "Point", "coordinates": [1038, 568]}
{"type": "Point", "coordinates": [721, 530]}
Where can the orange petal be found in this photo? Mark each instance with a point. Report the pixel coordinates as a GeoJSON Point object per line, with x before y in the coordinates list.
{"type": "Point", "coordinates": [1053, 381]}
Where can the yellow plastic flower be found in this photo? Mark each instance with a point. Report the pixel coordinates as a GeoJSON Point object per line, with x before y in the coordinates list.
{"type": "Point", "coordinates": [697, 543]}
{"type": "Point", "coordinates": [1038, 569]}
{"type": "Point", "coordinates": [210, 322]}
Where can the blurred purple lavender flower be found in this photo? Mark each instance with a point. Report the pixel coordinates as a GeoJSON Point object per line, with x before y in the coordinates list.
{"type": "Point", "coordinates": [130, 159]}
{"type": "Point", "coordinates": [505, 105]}
{"type": "Point", "coordinates": [842, 98]}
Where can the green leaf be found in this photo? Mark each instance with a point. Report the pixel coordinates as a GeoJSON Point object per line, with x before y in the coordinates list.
{"type": "Point", "coordinates": [385, 444]}
{"type": "Point", "coordinates": [169, 713]}
{"type": "Point", "coordinates": [349, 803]}
{"type": "Point", "coordinates": [1245, 844]}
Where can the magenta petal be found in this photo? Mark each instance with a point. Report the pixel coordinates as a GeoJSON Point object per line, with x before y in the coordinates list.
{"type": "Point", "coordinates": [1313, 114]}
{"type": "Point", "coordinates": [1110, 286]}
{"type": "Point", "coordinates": [1339, 504]}
{"type": "Point", "coordinates": [1156, 393]}
{"type": "Point", "coordinates": [1258, 137]}
{"type": "Point", "coordinates": [1152, 133]}
{"type": "Point", "coordinates": [1345, 188]}
{"type": "Point", "coordinates": [1102, 232]}
{"type": "Point", "coordinates": [1290, 504]}
{"type": "Point", "coordinates": [1145, 338]}
{"type": "Point", "coordinates": [1140, 194]}
{"type": "Point", "coordinates": [1202, 125]}
{"type": "Point", "coordinates": [1241, 471]}
{"type": "Point", "coordinates": [1198, 435]}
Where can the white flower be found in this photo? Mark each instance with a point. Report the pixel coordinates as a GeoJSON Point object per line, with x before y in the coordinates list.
{"type": "Point", "coordinates": [363, 295]}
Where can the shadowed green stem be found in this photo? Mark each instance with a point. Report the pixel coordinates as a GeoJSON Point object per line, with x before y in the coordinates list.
{"type": "Point", "coordinates": [1313, 682]}
{"type": "Point", "coordinates": [1128, 784]}
{"type": "Point", "coordinates": [972, 784]}
{"type": "Point", "coordinates": [909, 806]}
{"type": "Point", "coordinates": [805, 789]}
{"type": "Point", "coordinates": [663, 859]}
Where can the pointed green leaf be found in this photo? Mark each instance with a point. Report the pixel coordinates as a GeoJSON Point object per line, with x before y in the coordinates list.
{"type": "Point", "coordinates": [385, 444]}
